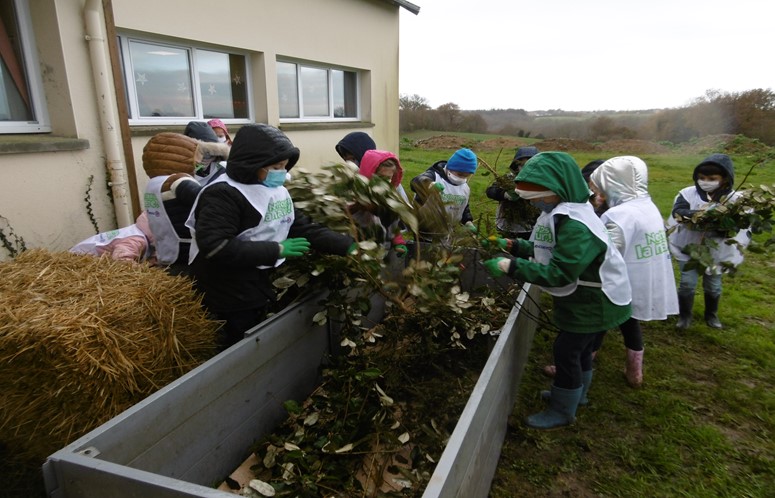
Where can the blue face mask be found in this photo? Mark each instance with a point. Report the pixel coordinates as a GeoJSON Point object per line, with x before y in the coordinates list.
{"type": "Point", "coordinates": [274, 178]}
{"type": "Point", "coordinates": [544, 206]}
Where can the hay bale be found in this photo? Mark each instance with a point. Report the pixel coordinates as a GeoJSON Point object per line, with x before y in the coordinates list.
{"type": "Point", "coordinates": [84, 338]}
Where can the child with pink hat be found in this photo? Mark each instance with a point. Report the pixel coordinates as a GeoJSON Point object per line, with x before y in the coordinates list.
{"type": "Point", "coordinates": [220, 130]}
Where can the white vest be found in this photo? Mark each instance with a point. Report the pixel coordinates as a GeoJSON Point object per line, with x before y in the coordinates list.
{"type": "Point", "coordinates": [681, 236]}
{"type": "Point", "coordinates": [90, 245]}
{"type": "Point", "coordinates": [454, 197]}
{"type": "Point", "coordinates": [647, 257]}
{"type": "Point", "coordinates": [274, 205]}
{"type": "Point", "coordinates": [166, 239]}
{"type": "Point", "coordinates": [613, 272]}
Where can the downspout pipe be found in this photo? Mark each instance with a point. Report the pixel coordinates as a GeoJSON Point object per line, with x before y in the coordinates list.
{"type": "Point", "coordinates": [106, 100]}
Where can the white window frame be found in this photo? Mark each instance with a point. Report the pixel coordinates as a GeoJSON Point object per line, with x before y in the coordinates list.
{"type": "Point", "coordinates": [190, 49]}
{"type": "Point", "coordinates": [328, 68]}
{"type": "Point", "coordinates": [41, 123]}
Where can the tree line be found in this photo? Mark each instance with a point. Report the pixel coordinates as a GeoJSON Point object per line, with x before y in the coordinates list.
{"type": "Point", "coordinates": [750, 113]}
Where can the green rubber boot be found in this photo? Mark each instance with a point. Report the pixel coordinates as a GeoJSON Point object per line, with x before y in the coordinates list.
{"type": "Point", "coordinates": [561, 411]}
{"type": "Point", "coordinates": [586, 379]}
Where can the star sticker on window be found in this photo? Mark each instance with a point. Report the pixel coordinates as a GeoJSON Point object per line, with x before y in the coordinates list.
{"type": "Point", "coordinates": [237, 80]}
{"type": "Point", "coordinates": [181, 87]}
{"type": "Point", "coordinates": [212, 90]}
{"type": "Point", "coordinates": [141, 78]}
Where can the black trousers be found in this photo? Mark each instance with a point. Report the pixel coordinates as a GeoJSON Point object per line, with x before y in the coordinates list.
{"type": "Point", "coordinates": [572, 356]}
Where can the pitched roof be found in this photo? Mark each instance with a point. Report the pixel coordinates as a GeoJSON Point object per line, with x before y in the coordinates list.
{"type": "Point", "coordinates": [414, 9]}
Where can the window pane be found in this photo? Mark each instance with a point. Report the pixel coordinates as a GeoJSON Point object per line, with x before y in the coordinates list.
{"type": "Point", "coordinates": [162, 80]}
{"type": "Point", "coordinates": [15, 103]}
{"type": "Point", "coordinates": [239, 86]}
{"type": "Point", "coordinates": [345, 94]}
{"type": "Point", "coordinates": [214, 84]}
{"type": "Point", "coordinates": [288, 90]}
{"type": "Point", "coordinates": [314, 91]}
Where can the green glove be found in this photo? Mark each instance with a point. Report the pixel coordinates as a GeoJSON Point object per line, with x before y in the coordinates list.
{"type": "Point", "coordinates": [493, 266]}
{"type": "Point", "coordinates": [291, 248]}
{"type": "Point", "coordinates": [353, 248]}
{"type": "Point", "coordinates": [471, 227]}
{"type": "Point", "coordinates": [400, 249]}
{"type": "Point", "coordinates": [497, 242]}
{"type": "Point", "coordinates": [511, 196]}
{"type": "Point", "coordinates": [438, 186]}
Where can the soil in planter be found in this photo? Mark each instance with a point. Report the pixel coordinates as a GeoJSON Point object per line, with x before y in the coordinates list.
{"type": "Point", "coordinates": [378, 422]}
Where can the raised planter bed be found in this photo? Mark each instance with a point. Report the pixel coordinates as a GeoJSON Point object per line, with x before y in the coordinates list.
{"type": "Point", "coordinates": [184, 439]}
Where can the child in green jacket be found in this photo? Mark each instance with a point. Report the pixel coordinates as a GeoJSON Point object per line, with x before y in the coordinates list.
{"type": "Point", "coordinates": [571, 258]}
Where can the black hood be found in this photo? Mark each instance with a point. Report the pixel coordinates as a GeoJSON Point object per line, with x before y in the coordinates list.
{"type": "Point", "coordinates": [356, 143]}
{"type": "Point", "coordinates": [201, 131]}
{"type": "Point", "coordinates": [257, 146]}
{"type": "Point", "coordinates": [724, 162]}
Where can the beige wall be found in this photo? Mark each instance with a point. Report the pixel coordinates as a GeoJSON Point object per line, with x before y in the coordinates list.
{"type": "Point", "coordinates": [43, 194]}
{"type": "Point", "coordinates": [354, 33]}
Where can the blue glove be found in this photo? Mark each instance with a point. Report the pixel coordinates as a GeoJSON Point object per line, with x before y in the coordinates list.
{"type": "Point", "coordinates": [291, 248]}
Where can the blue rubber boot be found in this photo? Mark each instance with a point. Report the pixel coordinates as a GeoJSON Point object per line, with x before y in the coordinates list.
{"type": "Point", "coordinates": [561, 411]}
{"type": "Point", "coordinates": [586, 379]}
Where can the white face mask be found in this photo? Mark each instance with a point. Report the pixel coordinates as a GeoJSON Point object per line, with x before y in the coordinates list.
{"type": "Point", "coordinates": [708, 186]}
{"type": "Point", "coordinates": [454, 179]}
{"type": "Point", "coordinates": [222, 140]}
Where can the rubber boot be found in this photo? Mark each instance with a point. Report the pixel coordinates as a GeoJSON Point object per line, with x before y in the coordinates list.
{"type": "Point", "coordinates": [634, 368]}
{"type": "Point", "coordinates": [586, 380]}
{"type": "Point", "coordinates": [711, 311]}
{"type": "Point", "coordinates": [685, 305]}
{"type": "Point", "coordinates": [561, 411]}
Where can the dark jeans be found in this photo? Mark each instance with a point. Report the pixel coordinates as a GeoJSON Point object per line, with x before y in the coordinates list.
{"type": "Point", "coordinates": [631, 333]}
{"type": "Point", "coordinates": [237, 323]}
{"type": "Point", "coordinates": [572, 356]}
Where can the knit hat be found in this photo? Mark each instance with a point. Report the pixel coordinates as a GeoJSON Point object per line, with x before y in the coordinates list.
{"type": "Point", "coordinates": [217, 123]}
{"type": "Point", "coordinates": [356, 143]}
{"type": "Point", "coordinates": [257, 146]}
{"type": "Point", "coordinates": [201, 131]}
{"type": "Point", "coordinates": [168, 153]}
{"type": "Point", "coordinates": [463, 160]}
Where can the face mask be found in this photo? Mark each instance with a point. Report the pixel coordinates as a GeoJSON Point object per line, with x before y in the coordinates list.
{"type": "Point", "coordinates": [708, 186]}
{"type": "Point", "coordinates": [455, 180]}
{"type": "Point", "coordinates": [222, 140]}
{"type": "Point", "coordinates": [274, 178]}
{"type": "Point", "coordinates": [544, 206]}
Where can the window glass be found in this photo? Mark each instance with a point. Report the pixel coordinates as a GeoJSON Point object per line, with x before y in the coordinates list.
{"type": "Point", "coordinates": [162, 80]}
{"type": "Point", "coordinates": [288, 90]}
{"type": "Point", "coordinates": [221, 84]}
{"type": "Point", "coordinates": [345, 92]}
{"type": "Point", "coordinates": [15, 104]}
{"type": "Point", "coordinates": [22, 101]}
{"type": "Point", "coordinates": [314, 91]}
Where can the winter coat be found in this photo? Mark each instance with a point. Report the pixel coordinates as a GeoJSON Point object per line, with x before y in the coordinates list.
{"type": "Point", "coordinates": [635, 225]}
{"type": "Point", "coordinates": [581, 250]}
{"type": "Point", "coordinates": [419, 186]}
{"type": "Point", "coordinates": [693, 199]}
{"type": "Point", "coordinates": [385, 224]}
{"type": "Point", "coordinates": [507, 217]}
{"type": "Point", "coordinates": [226, 267]}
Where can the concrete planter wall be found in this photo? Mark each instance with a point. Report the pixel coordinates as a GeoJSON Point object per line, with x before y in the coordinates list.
{"type": "Point", "coordinates": [182, 440]}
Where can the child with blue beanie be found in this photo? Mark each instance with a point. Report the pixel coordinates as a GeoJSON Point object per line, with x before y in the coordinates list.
{"type": "Point", "coordinates": [450, 180]}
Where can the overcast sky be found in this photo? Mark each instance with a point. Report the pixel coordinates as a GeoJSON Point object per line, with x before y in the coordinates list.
{"type": "Point", "coordinates": [584, 55]}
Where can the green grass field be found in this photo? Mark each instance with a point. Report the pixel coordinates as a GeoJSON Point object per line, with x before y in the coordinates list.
{"type": "Point", "coordinates": [702, 425]}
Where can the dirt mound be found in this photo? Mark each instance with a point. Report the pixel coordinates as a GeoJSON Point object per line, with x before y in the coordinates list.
{"type": "Point", "coordinates": [565, 144]}
{"type": "Point", "coordinates": [707, 144]}
{"type": "Point", "coordinates": [443, 142]}
{"type": "Point", "coordinates": [634, 147]}
{"type": "Point", "coordinates": [501, 143]}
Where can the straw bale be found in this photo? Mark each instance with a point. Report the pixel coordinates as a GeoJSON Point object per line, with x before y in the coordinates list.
{"type": "Point", "coordinates": [84, 338]}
